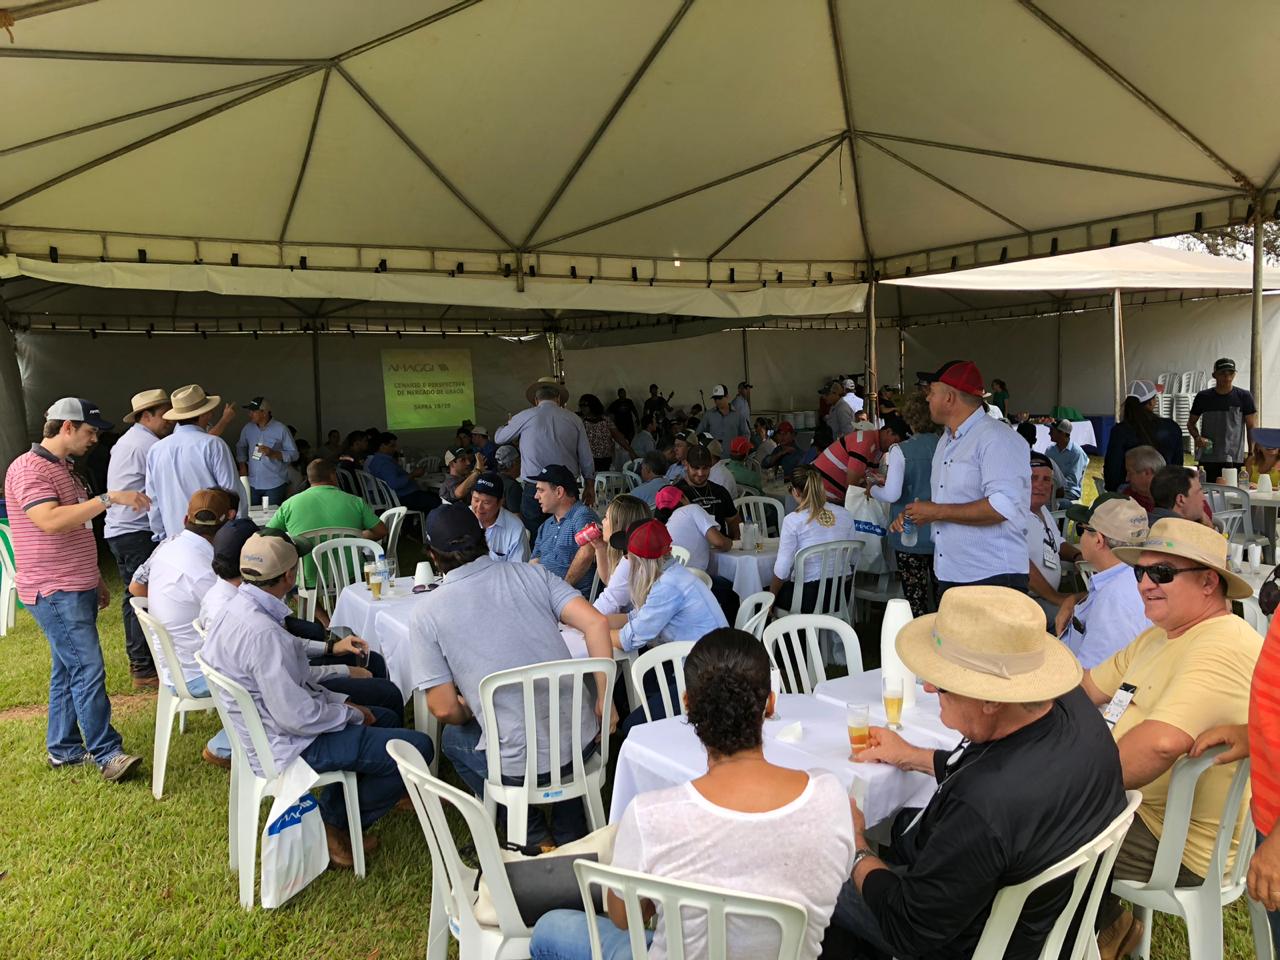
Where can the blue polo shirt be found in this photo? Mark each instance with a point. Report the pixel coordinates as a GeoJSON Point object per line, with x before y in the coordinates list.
{"type": "Point", "coordinates": [555, 547]}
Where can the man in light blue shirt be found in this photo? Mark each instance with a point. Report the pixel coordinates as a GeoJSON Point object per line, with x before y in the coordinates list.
{"type": "Point", "coordinates": [1070, 460]}
{"type": "Point", "coordinates": [981, 486]}
{"type": "Point", "coordinates": [264, 452]}
{"type": "Point", "coordinates": [653, 478]}
{"type": "Point", "coordinates": [503, 530]}
{"type": "Point", "coordinates": [186, 461]}
{"type": "Point", "coordinates": [1109, 617]}
{"type": "Point", "coordinates": [127, 531]}
{"type": "Point", "coordinates": [383, 465]}
{"type": "Point", "coordinates": [548, 434]}
{"type": "Point", "coordinates": [556, 547]}
{"type": "Point", "coordinates": [722, 421]}
{"type": "Point", "coordinates": [248, 643]}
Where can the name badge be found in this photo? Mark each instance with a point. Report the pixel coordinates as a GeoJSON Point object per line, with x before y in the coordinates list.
{"type": "Point", "coordinates": [1114, 710]}
{"type": "Point", "coordinates": [1051, 559]}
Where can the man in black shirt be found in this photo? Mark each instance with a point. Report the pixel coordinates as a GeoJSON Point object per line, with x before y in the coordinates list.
{"type": "Point", "coordinates": [658, 405]}
{"type": "Point", "coordinates": [624, 413]}
{"type": "Point", "coordinates": [1222, 421]}
{"type": "Point", "coordinates": [707, 493]}
{"type": "Point", "coordinates": [1036, 777]}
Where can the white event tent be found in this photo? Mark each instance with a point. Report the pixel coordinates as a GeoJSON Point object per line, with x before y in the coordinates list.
{"type": "Point", "coordinates": [736, 161]}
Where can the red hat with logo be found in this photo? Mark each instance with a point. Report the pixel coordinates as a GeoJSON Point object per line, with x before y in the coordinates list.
{"type": "Point", "coordinates": [647, 539]}
{"type": "Point", "coordinates": [739, 447]}
{"type": "Point", "coordinates": [668, 498]}
{"type": "Point", "coordinates": [962, 375]}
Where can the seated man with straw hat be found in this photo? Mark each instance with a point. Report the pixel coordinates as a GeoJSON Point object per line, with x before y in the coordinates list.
{"type": "Point", "coordinates": [1190, 671]}
{"type": "Point", "coordinates": [1035, 777]}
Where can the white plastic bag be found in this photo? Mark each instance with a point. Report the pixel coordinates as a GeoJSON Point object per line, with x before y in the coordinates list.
{"type": "Point", "coordinates": [294, 850]}
{"type": "Point", "coordinates": [871, 525]}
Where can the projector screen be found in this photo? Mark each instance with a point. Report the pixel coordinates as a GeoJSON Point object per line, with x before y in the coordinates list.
{"type": "Point", "coordinates": [427, 388]}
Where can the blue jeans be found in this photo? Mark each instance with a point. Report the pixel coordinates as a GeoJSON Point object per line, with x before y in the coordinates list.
{"type": "Point", "coordinates": [568, 819]}
{"type": "Point", "coordinates": [563, 935]}
{"type": "Point", "coordinates": [131, 551]}
{"type": "Point", "coordinates": [275, 496]}
{"type": "Point", "coordinates": [363, 749]}
{"type": "Point", "coordinates": [219, 744]}
{"type": "Point", "coordinates": [79, 710]}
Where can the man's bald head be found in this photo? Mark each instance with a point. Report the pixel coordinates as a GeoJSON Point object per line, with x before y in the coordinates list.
{"type": "Point", "coordinates": [321, 471]}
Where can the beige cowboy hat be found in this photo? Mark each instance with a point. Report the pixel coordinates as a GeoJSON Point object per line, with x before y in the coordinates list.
{"type": "Point", "coordinates": [1176, 537]}
{"type": "Point", "coordinates": [190, 401]}
{"type": "Point", "coordinates": [547, 382]}
{"type": "Point", "coordinates": [145, 401]}
{"type": "Point", "coordinates": [989, 643]}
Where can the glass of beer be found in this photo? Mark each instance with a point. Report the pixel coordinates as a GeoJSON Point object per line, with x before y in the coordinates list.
{"type": "Point", "coordinates": [891, 689]}
{"type": "Point", "coordinates": [858, 720]}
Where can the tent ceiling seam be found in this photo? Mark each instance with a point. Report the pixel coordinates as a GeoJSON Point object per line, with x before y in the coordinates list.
{"type": "Point", "coordinates": [1088, 53]}
{"type": "Point", "coordinates": [306, 154]}
{"type": "Point", "coordinates": [954, 189]}
{"type": "Point", "coordinates": [688, 193]}
{"type": "Point", "coordinates": [151, 138]}
{"type": "Point", "coordinates": [600, 130]}
{"type": "Point", "coordinates": [1049, 161]}
{"type": "Point", "coordinates": [402, 31]}
{"type": "Point", "coordinates": [423, 158]}
{"type": "Point", "coordinates": [846, 98]}
{"type": "Point", "coordinates": [777, 199]}
{"type": "Point", "coordinates": [106, 56]}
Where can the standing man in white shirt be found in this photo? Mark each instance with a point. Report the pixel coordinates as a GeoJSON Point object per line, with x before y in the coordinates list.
{"type": "Point", "coordinates": [264, 452]}
{"type": "Point", "coordinates": [126, 530]}
{"type": "Point", "coordinates": [1046, 549]}
{"type": "Point", "coordinates": [981, 485]}
{"type": "Point", "coordinates": [187, 460]}
{"type": "Point", "coordinates": [503, 530]}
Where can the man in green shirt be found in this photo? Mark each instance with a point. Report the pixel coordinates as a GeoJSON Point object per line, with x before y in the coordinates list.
{"type": "Point", "coordinates": [323, 505]}
{"type": "Point", "coordinates": [749, 480]}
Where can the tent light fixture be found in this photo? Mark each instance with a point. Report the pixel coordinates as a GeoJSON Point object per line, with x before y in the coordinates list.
{"type": "Point", "coordinates": [506, 269]}
{"type": "Point", "coordinates": [382, 266]}
{"type": "Point", "coordinates": [955, 262]}
{"type": "Point", "coordinates": [1115, 231]}
{"type": "Point", "coordinates": [733, 275]}
{"type": "Point", "coordinates": [235, 259]}
{"type": "Point", "coordinates": [829, 277]}
{"type": "Point", "coordinates": [460, 268]}
{"type": "Point", "coordinates": [1275, 214]}
{"type": "Point", "coordinates": [1248, 213]}
{"type": "Point", "coordinates": [676, 263]}
{"type": "Point", "coordinates": [142, 255]}
{"type": "Point", "coordinates": [779, 276]}
{"type": "Point", "coordinates": [1053, 246]}
{"type": "Point", "coordinates": [53, 254]}
{"type": "Point", "coordinates": [302, 262]}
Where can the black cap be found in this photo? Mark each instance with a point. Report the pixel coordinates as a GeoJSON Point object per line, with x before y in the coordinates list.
{"type": "Point", "coordinates": [453, 527]}
{"type": "Point", "coordinates": [489, 483]}
{"type": "Point", "coordinates": [254, 404]}
{"type": "Point", "coordinates": [1224, 363]}
{"type": "Point", "coordinates": [558, 476]}
{"type": "Point", "coordinates": [230, 540]}
{"type": "Point", "coordinates": [743, 385]}
{"type": "Point", "coordinates": [1040, 460]}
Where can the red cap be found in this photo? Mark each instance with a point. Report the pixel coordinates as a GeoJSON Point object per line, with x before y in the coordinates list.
{"type": "Point", "coordinates": [739, 447]}
{"type": "Point", "coordinates": [668, 498]}
{"type": "Point", "coordinates": [784, 425]}
{"type": "Point", "coordinates": [649, 540]}
{"type": "Point", "coordinates": [962, 375]}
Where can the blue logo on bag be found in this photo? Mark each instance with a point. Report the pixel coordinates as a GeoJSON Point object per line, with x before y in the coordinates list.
{"type": "Point", "coordinates": [293, 816]}
{"type": "Point", "coordinates": [866, 526]}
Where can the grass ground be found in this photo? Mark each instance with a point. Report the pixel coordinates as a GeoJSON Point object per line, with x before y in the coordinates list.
{"type": "Point", "coordinates": [94, 870]}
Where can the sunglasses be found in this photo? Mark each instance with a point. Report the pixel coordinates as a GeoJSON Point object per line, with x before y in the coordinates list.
{"type": "Point", "coordinates": [1082, 528]}
{"type": "Point", "coordinates": [1162, 573]}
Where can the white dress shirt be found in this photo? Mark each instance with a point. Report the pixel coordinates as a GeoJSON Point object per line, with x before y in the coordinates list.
{"type": "Point", "coordinates": [549, 434]}
{"type": "Point", "coordinates": [616, 595]}
{"type": "Point", "coordinates": [508, 539]}
{"type": "Point", "coordinates": [180, 464]}
{"type": "Point", "coordinates": [181, 574]}
{"type": "Point", "coordinates": [127, 470]}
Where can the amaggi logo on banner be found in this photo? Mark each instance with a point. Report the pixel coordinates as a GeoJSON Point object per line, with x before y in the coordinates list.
{"type": "Point", "coordinates": [427, 388]}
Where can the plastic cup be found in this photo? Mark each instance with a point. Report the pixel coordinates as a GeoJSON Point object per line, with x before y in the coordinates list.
{"type": "Point", "coordinates": [1255, 557]}
{"type": "Point", "coordinates": [858, 720]}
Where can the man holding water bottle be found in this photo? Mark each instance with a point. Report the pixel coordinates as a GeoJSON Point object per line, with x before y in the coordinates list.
{"type": "Point", "coordinates": [263, 454]}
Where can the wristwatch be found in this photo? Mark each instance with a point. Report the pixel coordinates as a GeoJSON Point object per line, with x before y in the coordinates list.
{"type": "Point", "coordinates": [105, 500]}
{"type": "Point", "coordinates": [861, 854]}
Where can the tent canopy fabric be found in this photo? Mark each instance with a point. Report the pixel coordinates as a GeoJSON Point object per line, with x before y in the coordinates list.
{"type": "Point", "coordinates": [693, 141]}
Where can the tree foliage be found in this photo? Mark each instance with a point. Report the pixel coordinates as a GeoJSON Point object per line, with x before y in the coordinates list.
{"type": "Point", "coordinates": [1236, 242]}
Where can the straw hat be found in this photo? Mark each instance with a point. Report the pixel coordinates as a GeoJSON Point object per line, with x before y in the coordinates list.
{"type": "Point", "coordinates": [190, 401]}
{"type": "Point", "coordinates": [145, 401]}
{"type": "Point", "coordinates": [1176, 537]}
{"type": "Point", "coordinates": [547, 382]}
{"type": "Point", "coordinates": [989, 643]}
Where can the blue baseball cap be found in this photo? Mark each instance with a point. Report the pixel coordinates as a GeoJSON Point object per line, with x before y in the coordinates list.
{"type": "Point", "coordinates": [489, 483]}
{"type": "Point", "coordinates": [453, 527]}
{"type": "Point", "coordinates": [80, 410]}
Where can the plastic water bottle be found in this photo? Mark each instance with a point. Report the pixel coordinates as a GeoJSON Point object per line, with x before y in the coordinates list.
{"type": "Point", "coordinates": [910, 532]}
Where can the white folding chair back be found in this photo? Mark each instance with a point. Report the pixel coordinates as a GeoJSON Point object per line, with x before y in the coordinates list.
{"type": "Point", "coordinates": [430, 464]}
{"type": "Point", "coordinates": [247, 502]}
{"type": "Point", "coordinates": [681, 555]}
{"type": "Point", "coordinates": [8, 585]}
{"type": "Point", "coordinates": [375, 492]}
{"type": "Point", "coordinates": [543, 685]}
{"type": "Point", "coordinates": [765, 512]}
{"type": "Point", "coordinates": [610, 484]}
{"type": "Point", "coordinates": [394, 520]}
{"type": "Point", "coordinates": [701, 575]}
{"type": "Point", "coordinates": [244, 803]}
{"type": "Point", "coordinates": [1237, 499]}
{"type": "Point", "coordinates": [170, 703]}
{"type": "Point", "coordinates": [453, 883]}
{"type": "Point", "coordinates": [307, 590]}
{"type": "Point", "coordinates": [1228, 516]}
{"type": "Point", "coordinates": [1086, 571]}
{"type": "Point", "coordinates": [794, 644]}
{"type": "Point", "coordinates": [681, 902]}
{"type": "Point", "coordinates": [1200, 906]}
{"type": "Point", "coordinates": [753, 613]}
{"type": "Point", "coordinates": [1099, 853]}
{"type": "Point", "coordinates": [633, 479]}
{"type": "Point", "coordinates": [199, 627]}
{"type": "Point", "coordinates": [340, 563]}
{"type": "Point", "coordinates": [839, 560]}
{"type": "Point", "coordinates": [657, 658]}
{"type": "Point", "coordinates": [348, 485]}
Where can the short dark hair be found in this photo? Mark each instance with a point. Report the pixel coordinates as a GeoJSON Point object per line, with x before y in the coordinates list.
{"type": "Point", "coordinates": [321, 471]}
{"type": "Point", "coordinates": [226, 568]}
{"type": "Point", "coordinates": [727, 681]}
{"type": "Point", "coordinates": [444, 561]}
{"type": "Point", "coordinates": [386, 437]}
{"type": "Point", "coordinates": [656, 462]}
{"type": "Point", "coordinates": [1168, 483]}
{"type": "Point", "coordinates": [647, 419]}
{"type": "Point", "coordinates": [1027, 431]}
{"type": "Point", "coordinates": [698, 456]}
{"type": "Point", "coordinates": [53, 427]}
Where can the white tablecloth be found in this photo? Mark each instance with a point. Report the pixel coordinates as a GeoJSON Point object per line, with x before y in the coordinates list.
{"type": "Point", "coordinates": [921, 723]}
{"type": "Point", "coordinates": [383, 623]}
{"type": "Point", "coordinates": [666, 753]}
{"type": "Point", "coordinates": [1082, 435]}
{"type": "Point", "coordinates": [748, 571]}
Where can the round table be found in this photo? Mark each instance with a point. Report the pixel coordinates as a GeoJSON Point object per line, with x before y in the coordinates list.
{"type": "Point", "coordinates": [749, 571]}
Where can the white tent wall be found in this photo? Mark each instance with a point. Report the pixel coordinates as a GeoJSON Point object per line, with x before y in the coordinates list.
{"type": "Point", "coordinates": [110, 368]}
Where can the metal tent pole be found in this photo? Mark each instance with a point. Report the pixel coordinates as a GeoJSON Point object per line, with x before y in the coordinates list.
{"type": "Point", "coordinates": [1255, 327]}
{"type": "Point", "coordinates": [1058, 387]}
{"type": "Point", "coordinates": [315, 385]}
{"type": "Point", "coordinates": [872, 386]}
{"type": "Point", "coordinates": [1117, 336]}
{"type": "Point", "coordinates": [902, 358]}
{"type": "Point", "coordinates": [746, 359]}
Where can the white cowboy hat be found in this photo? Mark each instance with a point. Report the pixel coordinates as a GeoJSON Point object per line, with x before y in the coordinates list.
{"type": "Point", "coordinates": [1176, 537]}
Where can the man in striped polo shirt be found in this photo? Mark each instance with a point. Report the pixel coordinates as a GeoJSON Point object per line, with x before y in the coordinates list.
{"type": "Point", "coordinates": [51, 516]}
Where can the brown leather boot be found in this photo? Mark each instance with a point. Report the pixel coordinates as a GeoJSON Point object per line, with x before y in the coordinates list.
{"type": "Point", "coordinates": [1121, 938]}
{"type": "Point", "coordinates": [340, 855]}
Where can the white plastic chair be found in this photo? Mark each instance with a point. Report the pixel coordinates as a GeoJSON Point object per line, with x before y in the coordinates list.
{"type": "Point", "coordinates": [374, 491]}
{"type": "Point", "coordinates": [197, 625]}
{"type": "Point", "coordinates": [247, 790]}
{"type": "Point", "coordinates": [1237, 499]}
{"type": "Point", "coordinates": [1086, 570]}
{"type": "Point", "coordinates": [839, 560]}
{"type": "Point", "coordinates": [1200, 906]}
{"type": "Point", "coordinates": [794, 645]}
{"type": "Point", "coordinates": [247, 503]}
{"type": "Point", "coordinates": [544, 682]}
{"type": "Point", "coordinates": [680, 902]}
{"type": "Point", "coordinates": [169, 704]}
{"type": "Point", "coordinates": [610, 484]}
{"type": "Point", "coordinates": [657, 658]}
{"type": "Point", "coordinates": [8, 585]}
{"type": "Point", "coordinates": [757, 510]}
{"type": "Point", "coordinates": [1099, 852]}
{"type": "Point", "coordinates": [753, 613]}
{"type": "Point", "coordinates": [394, 520]}
{"type": "Point", "coordinates": [430, 464]}
{"type": "Point", "coordinates": [701, 575]}
{"type": "Point", "coordinates": [339, 564]}
{"type": "Point", "coordinates": [347, 484]}
{"type": "Point", "coordinates": [313, 538]}
{"type": "Point", "coordinates": [681, 555]}
{"type": "Point", "coordinates": [453, 883]}
{"type": "Point", "coordinates": [633, 479]}
{"type": "Point", "coordinates": [1251, 610]}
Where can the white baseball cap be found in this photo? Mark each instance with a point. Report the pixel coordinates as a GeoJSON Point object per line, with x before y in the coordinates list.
{"type": "Point", "coordinates": [1141, 390]}
{"type": "Point", "coordinates": [719, 390]}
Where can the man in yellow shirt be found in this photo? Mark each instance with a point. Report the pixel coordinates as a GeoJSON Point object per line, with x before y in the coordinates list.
{"type": "Point", "coordinates": [1188, 672]}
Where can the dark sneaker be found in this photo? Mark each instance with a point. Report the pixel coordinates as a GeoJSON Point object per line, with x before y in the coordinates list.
{"type": "Point", "coordinates": [145, 681]}
{"type": "Point", "coordinates": [119, 767]}
{"type": "Point", "coordinates": [77, 761]}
